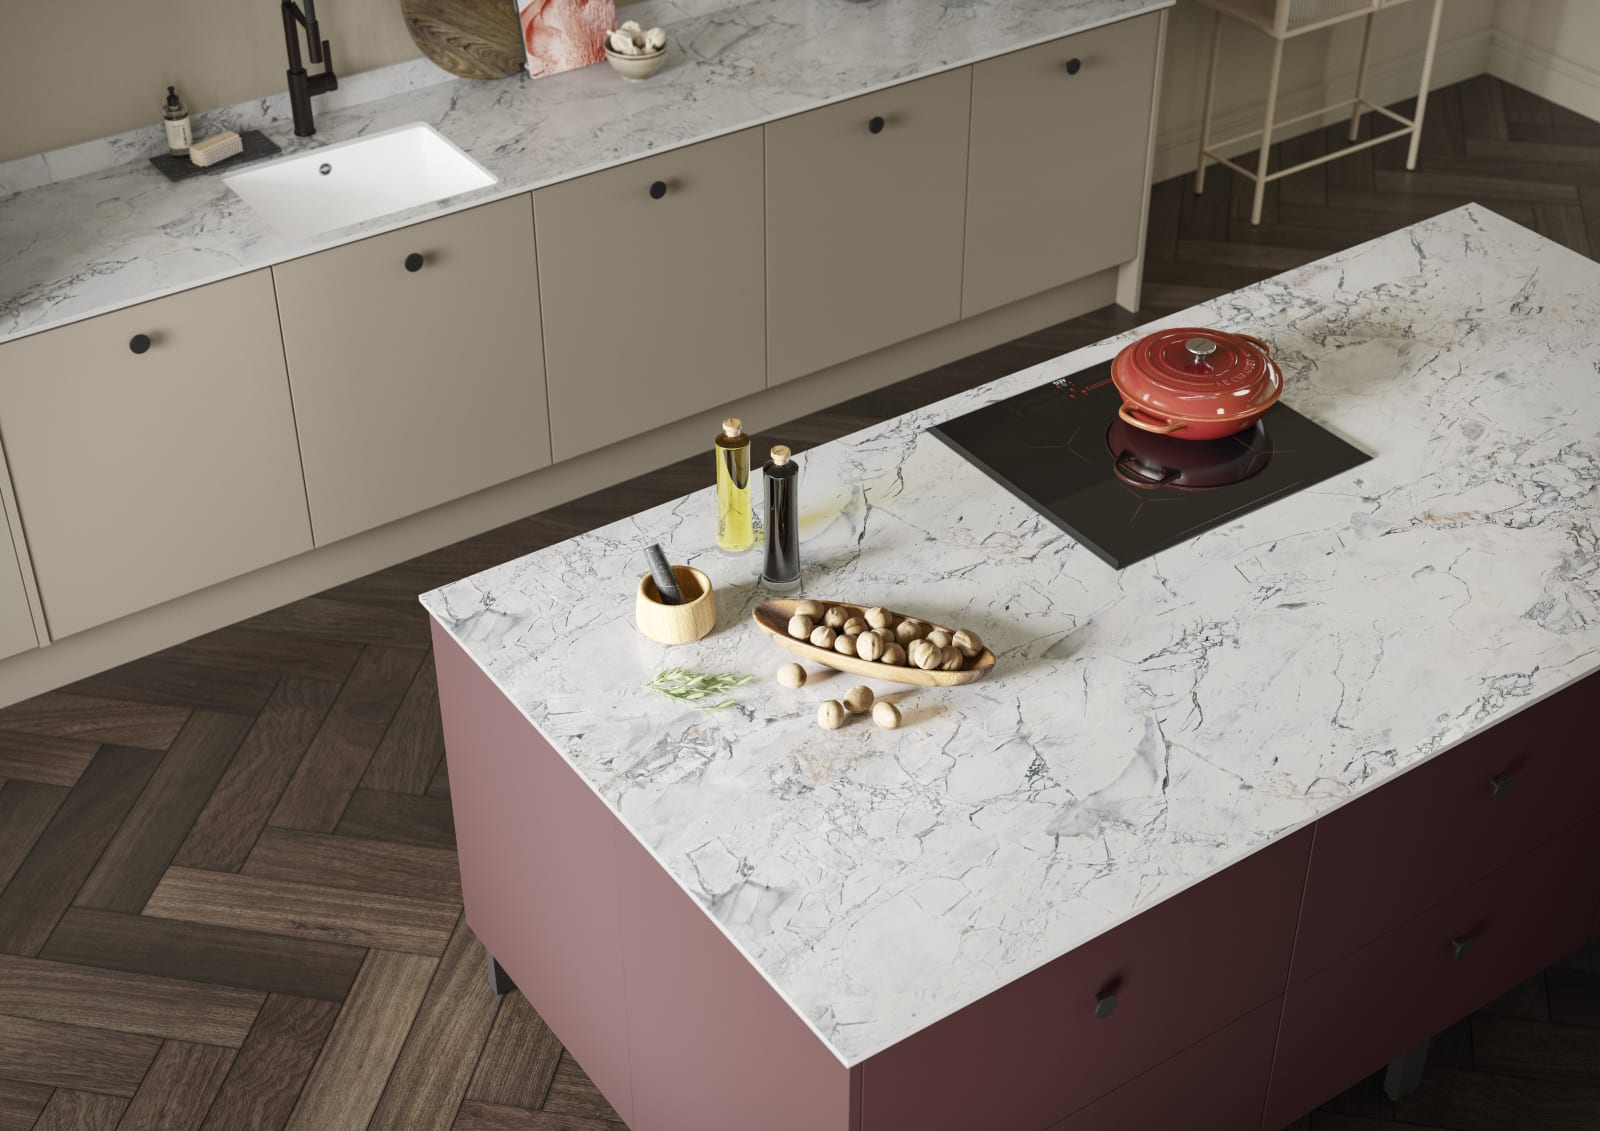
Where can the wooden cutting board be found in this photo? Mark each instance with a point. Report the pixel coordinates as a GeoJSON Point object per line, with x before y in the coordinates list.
{"type": "Point", "coordinates": [476, 39]}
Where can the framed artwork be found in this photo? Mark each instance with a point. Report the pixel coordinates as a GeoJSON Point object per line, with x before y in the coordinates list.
{"type": "Point", "coordinates": [562, 34]}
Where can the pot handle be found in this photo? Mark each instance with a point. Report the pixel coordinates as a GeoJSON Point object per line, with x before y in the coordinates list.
{"type": "Point", "coordinates": [1131, 414]}
{"type": "Point", "coordinates": [1125, 467]}
{"type": "Point", "coordinates": [1255, 341]}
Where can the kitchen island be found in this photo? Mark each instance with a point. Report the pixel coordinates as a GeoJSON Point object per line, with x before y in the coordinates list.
{"type": "Point", "coordinates": [1252, 793]}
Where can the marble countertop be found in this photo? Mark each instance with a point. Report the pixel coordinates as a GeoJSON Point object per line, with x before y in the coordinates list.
{"type": "Point", "coordinates": [1144, 728]}
{"type": "Point", "coordinates": [95, 243]}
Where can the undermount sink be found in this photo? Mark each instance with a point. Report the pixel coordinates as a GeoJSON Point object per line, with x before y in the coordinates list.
{"type": "Point", "coordinates": [344, 184]}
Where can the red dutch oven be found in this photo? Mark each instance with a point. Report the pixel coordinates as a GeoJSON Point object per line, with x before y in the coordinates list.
{"type": "Point", "coordinates": [1194, 384]}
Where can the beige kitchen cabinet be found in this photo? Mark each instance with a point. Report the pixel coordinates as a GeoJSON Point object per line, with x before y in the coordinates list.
{"type": "Point", "coordinates": [417, 366]}
{"type": "Point", "coordinates": [16, 622]}
{"type": "Point", "coordinates": [651, 277]}
{"type": "Point", "coordinates": [153, 451]}
{"type": "Point", "coordinates": [864, 223]}
{"type": "Point", "coordinates": [1060, 134]}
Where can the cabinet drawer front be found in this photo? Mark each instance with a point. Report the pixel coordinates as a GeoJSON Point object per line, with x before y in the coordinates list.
{"type": "Point", "coordinates": [864, 228]}
{"type": "Point", "coordinates": [1035, 1050]}
{"type": "Point", "coordinates": [1060, 135]}
{"type": "Point", "coordinates": [415, 387]}
{"type": "Point", "coordinates": [1408, 984]}
{"type": "Point", "coordinates": [143, 476]}
{"type": "Point", "coordinates": [1440, 826]}
{"type": "Point", "coordinates": [16, 622]}
{"type": "Point", "coordinates": [1218, 1084]}
{"type": "Point", "coordinates": [651, 275]}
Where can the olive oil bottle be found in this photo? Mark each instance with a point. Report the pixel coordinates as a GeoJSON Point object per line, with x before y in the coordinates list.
{"type": "Point", "coordinates": [735, 528]}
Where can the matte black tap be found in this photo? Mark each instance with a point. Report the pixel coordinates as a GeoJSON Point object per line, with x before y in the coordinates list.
{"type": "Point", "coordinates": [301, 85]}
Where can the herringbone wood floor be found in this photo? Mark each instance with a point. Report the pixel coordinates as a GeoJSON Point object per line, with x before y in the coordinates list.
{"type": "Point", "coordinates": [228, 897]}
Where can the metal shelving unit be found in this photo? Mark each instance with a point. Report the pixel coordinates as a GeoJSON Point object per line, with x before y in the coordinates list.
{"type": "Point", "coordinates": [1281, 21]}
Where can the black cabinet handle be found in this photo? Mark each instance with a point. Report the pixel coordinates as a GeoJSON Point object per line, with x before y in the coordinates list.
{"type": "Point", "coordinates": [876, 125]}
{"type": "Point", "coordinates": [1460, 948]}
{"type": "Point", "coordinates": [1500, 787]}
{"type": "Point", "coordinates": [1104, 1006]}
{"type": "Point", "coordinates": [139, 343]}
{"type": "Point", "coordinates": [1074, 66]}
{"type": "Point", "coordinates": [414, 261]}
{"type": "Point", "coordinates": [658, 189]}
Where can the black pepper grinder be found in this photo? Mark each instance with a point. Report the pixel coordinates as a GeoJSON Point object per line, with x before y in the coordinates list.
{"type": "Point", "coordinates": [782, 566]}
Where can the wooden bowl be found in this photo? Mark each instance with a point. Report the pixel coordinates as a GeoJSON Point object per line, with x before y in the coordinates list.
{"type": "Point", "coordinates": [772, 618]}
{"type": "Point", "coordinates": [676, 624]}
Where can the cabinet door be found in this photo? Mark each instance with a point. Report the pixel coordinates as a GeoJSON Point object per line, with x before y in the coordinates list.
{"type": "Point", "coordinates": [417, 366]}
{"type": "Point", "coordinates": [864, 207]}
{"type": "Point", "coordinates": [16, 622]}
{"type": "Point", "coordinates": [651, 275]}
{"type": "Point", "coordinates": [1436, 828]}
{"type": "Point", "coordinates": [143, 476]}
{"type": "Point", "coordinates": [1060, 134]}
{"type": "Point", "coordinates": [1408, 984]}
{"type": "Point", "coordinates": [1056, 1039]}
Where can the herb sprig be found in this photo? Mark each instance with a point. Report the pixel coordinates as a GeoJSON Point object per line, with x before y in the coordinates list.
{"type": "Point", "coordinates": [691, 687]}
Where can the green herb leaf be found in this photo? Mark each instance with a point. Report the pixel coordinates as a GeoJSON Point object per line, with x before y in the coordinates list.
{"type": "Point", "coordinates": [691, 687]}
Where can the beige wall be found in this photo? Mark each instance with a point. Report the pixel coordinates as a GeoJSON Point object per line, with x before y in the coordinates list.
{"type": "Point", "coordinates": [75, 70]}
{"type": "Point", "coordinates": [1319, 67]}
{"type": "Point", "coordinates": [1551, 47]}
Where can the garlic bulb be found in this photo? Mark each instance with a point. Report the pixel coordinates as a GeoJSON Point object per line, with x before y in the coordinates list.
{"type": "Point", "coordinates": [631, 25]}
{"type": "Point", "coordinates": [655, 39]}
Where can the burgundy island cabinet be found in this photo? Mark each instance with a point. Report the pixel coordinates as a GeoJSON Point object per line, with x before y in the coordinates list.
{"type": "Point", "coordinates": [1224, 832]}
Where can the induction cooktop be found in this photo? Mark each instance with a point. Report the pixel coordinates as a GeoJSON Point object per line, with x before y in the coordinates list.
{"type": "Point", "coordinates": [1127, 494]}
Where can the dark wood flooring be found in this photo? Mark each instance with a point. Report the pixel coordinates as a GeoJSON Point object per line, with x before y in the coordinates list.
{"type": "Point", "coordinates": [228, 896]}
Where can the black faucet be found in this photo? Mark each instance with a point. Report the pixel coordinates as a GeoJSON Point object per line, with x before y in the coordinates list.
{"type": "Point", "coordinates": [301, 85]}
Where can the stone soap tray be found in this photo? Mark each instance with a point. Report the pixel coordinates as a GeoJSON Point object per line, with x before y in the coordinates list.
{"type": "Point", "coordinates": [256, 146]}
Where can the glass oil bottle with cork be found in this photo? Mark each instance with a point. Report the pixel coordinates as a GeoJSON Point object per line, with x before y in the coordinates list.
{"type": "Point", "coordinates": [735, 521]}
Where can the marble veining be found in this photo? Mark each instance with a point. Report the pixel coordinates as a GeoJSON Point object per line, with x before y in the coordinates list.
{"type": "Point", "coordinates": [1146, 728]}
{"type": "Point", "coordinates": [98, 242]}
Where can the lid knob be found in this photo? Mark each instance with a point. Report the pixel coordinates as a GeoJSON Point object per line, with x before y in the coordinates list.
{"type": "Point", "coordinates": [1200, 348]}
{"type": "Point", "coordinates": [780, 455]}
{"type": "Point", "coordinates": [731, 426]}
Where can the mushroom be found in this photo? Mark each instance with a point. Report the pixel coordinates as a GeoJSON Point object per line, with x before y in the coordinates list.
{"type": "Point", "coordinates": [969, 642]}
{"type": "Point", "coordinates": [835, 617]}
{"type": "Point", "coordinates": [886, 714]}
{"type": "Point", "coordinates": [792, 675]}
{"type": "Point", "coordinates": [869, 646]}
{"type": "Point", "coordinates": [854, 626]}
{"type": "Point", "coordinates": [894, 654]}
{"type": "Point", "coordinates": [830, 715]}
{"type": "Point", "coordinates": [800, 626]}
{"type": "Point", "coordinates": [880, 617]}
{"type": "Point", "coordinates": [858, 700]}
{"type": "Point", "coordinates": [844, 644]}
{"type": "Point", "coordinates": [925, 655]}
{"type": "Point", "coordinates": [822, 636]}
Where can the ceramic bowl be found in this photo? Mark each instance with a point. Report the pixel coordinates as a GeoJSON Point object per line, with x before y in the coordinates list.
{"type": "Point", "coordinates": [636, 67]}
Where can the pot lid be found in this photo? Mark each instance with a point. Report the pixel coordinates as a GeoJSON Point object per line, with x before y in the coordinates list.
{"type": "Point", "coordinates": [1197, 374]}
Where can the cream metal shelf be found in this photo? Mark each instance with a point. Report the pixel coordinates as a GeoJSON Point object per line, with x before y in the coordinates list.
{"type": "Point", "coordinates": [1280, 21]}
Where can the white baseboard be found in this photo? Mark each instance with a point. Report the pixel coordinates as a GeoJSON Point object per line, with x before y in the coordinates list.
{"type": "Point", "coordinates": [1564, 82]}
{"type": "Point", "coordinates": [1454, 61]}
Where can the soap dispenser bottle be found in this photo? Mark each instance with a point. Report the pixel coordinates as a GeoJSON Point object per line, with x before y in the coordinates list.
{"type": "Point", "coordinates": [176, 116]}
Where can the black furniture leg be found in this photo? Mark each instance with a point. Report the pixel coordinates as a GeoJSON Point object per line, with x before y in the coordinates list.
{"type": "Point", "coordinates": [1405, 1072]}
{"type": "Point", "coordinates": [499, 981]}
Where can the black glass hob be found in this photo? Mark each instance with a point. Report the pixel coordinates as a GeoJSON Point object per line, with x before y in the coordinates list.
{"type": "Point", "coordinates": [1124, 493]}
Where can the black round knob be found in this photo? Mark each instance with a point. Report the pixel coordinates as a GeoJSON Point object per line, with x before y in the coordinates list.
{"type": "Point", "coordinates": [658, 189]}
{"type": "Point", "coordinates": [1104, 1006]}
{"type": "Point", "coordinates": [414, 261]}
{"type": "Point", "coordinates": [139, 343]}
{"type": "Point", "coordinates": [1500, 787]}
{"type": "Point", "coordinates": [1074, 66]}
{"type": "Point", "coordinates": [876, 125]}
{"type": "Point", "coordinates": [1460, 948]}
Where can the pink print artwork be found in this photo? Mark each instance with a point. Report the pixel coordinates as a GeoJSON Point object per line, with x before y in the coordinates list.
{"type": "Point", "coordinates": [562, 34]}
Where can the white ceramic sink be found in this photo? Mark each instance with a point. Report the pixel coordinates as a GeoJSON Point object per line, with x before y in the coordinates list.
{"type": "Point", "coordinates": [353, 181]}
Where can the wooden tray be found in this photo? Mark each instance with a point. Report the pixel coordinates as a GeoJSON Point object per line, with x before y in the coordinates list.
{"type": "Point", "coordinates": [772, 618]}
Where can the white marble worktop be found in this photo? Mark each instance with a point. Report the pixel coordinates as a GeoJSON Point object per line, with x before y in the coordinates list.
{"type": "Point", "coordinates": [1143, 729]}
{"type": "Point", "coordinates": [95, 243]}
